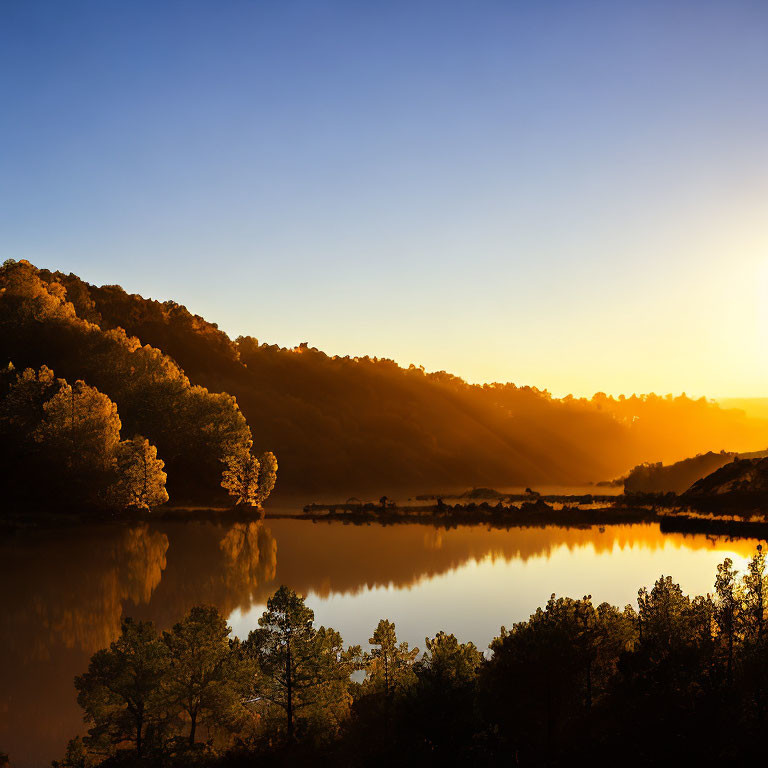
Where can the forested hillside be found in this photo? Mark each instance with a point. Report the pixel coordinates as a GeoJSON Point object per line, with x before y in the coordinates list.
{"type": "Point", "coordinates": [679, 477]}
{"type": "Point", "coordinates": [197, 433]}
{"type": "Point", "coordinates": [345, 425]}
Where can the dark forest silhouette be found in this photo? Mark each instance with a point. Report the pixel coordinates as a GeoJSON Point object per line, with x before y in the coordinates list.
{"type": "Point", "coordinates": [576, 681]}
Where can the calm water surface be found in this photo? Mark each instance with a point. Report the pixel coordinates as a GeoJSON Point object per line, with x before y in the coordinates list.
{"type": "Point", "coordinates": [64, 592]}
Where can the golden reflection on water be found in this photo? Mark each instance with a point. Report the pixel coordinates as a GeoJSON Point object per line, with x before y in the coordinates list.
{"type": "Point", "coordinates": [64, 592]}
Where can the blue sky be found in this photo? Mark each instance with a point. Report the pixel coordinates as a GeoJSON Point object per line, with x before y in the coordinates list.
{"type": "Point", "coordinates": [572, 195]}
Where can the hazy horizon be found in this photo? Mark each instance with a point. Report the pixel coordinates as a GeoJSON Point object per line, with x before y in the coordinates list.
{"type": "Point", "coordinates": [754, 405]}
{"type": "Point", "coordinates": [569, 196]}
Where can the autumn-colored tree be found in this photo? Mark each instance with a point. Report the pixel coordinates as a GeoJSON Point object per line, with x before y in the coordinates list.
{"type": "Point", "coordinates": [249, 479]}
{"type": "Point", "coordinates": [140, 481]}
{"type": "Point", "coordinates": [69, 435]}
{"type": "Point", "coordinates": [267, 476]}
{"type": "Point", "coordinates": [81, 428]}
{"type": "Point", "coordinates": [193, 428]}
{"type": "Point", "coordinates": [22, 396]}
{"type": "Point", "coordinates": [240, 477]}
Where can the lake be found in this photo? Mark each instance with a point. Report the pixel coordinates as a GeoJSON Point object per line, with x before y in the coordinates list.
{"type": "Point", "coordinates": [64, 591]}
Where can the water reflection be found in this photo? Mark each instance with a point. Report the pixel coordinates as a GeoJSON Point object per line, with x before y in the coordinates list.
{"type": "Point", "coordinates": [63, 593]}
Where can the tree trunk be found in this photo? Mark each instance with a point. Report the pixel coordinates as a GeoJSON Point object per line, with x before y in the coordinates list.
{"type": "Point", "coordinates": [193, 726]}
{"type": "Point", "coordinates": [730, 657]}
{"type": "Point", "coordinates": [289, 690]}
{"type": "Point", "coordinates": [145, 492]}
{"type": "Point", "coordinates": [139, 729]}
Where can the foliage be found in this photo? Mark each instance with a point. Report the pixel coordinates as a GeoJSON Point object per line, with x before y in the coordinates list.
{"type": "Point", "coordinates": [267, 476]}
{"type": "Point", "coordinates": [64, 440]}
{"type": "Point", "coordinates": [575, 682]}
{"type": "Point", "coordinates": [141, 480]}
{"type": "Point", "coordinates": [76, 756]}
{"type": "Point", "coordinates": [303, 672]}
{"type": "Point", "coordinates": [240, 477]}
{"type": "Point", "coordinates": [121, 693]}
{"type": "Point", "coordinates": [206, 681]}
{"type": "Point", "coordinates": [389, 664]}
{"type": "Point", "coordinates": [446, 661]}
{"type": "Point", "coordinates": [194, 429]}
{"type": "Point", "coordinates": [351, 424]}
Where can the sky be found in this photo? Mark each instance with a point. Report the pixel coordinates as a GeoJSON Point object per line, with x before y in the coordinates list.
{"type": "Point", "coordinates": [572, 195]}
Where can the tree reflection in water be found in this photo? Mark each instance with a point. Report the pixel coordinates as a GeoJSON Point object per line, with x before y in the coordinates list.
{"type": "Point", "coordinates": [69, 590]}
{"type": "Point", "coordinates": [70, 587]}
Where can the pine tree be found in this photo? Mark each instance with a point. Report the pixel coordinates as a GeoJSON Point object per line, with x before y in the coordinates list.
{"type": "Point", "coordinates": [206, 679]}
{"type": "Point", "coordinates": [121, 693]}
{"type": "Point", "coordinates": [389, 664]}
{"type": "Point", "coordinates": [140, 481]}
{"type": "Point", "coordinates": [302, 671]}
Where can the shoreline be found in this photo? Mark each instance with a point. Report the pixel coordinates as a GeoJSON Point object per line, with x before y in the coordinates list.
{"type": "Point", "coordinates": [577, 511]}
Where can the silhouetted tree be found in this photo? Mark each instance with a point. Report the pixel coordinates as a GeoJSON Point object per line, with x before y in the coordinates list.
{"type": "Point", "coordinates": [122, 691]}
{"type": "Point", "coordinates": [77, 755]}
{"type": "Point", "coordinates": [728, 611]}
{"type": "Point", "coordinates": [301, 670]}
{"type": "Point", "coordinates": [69, 436]}
{"type": "Point", "coordinates": [389, 664]}
{"type": "Point", "coordinates": [206, 679]}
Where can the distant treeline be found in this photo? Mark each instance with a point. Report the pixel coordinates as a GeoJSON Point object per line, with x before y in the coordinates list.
{"type": "Point", "coordinates": [679, 680]}
{"type": "Point", "coordinates": [339, 424]}
{"type": "Point", "coordinates": [538, 512]}
{"type": "Point", "coordinates": [680, 476]}
{"type": "Point", "coordinates": [60, 437]}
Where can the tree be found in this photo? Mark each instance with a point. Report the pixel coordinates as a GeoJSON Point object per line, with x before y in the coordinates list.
{"type": "Point", "coordinates": [70, 436]}
{"type": "Point", "coordinates": [76, 756]}
{"type": "Point", "coordinates": [140, 479]}
{"type": "Point", "coordinates": [727, 611]}
{"type": "Point", "coordinates": [206, 680]}
{"type": "Point", "coordinates": [121, 693]}
{"type": "Point", "coordinates": [267, 476]}
{"type": "Point", "coordinates": [563, 657]}
{"type": "Point", "coordinates": [77, 439]}
{"type": "Point", "coordinates": [755, 595]}
{"type": "Point", "coordinates": [302, 671]}
{"type": "Point", "coordinates": [389, 665]}
{"type": "Point", "coordinates": [193, 428]}
{"type": "Point", "coordinates": [447, 661]}
{"type": "Point", "coordinates": [81, 426]}
{"type": "Point", "coordinates": [437, 714]}
{"type": "Point", "coordinates": [22, 396]}
{"type": "Point", "coordinates": [240, 477]}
